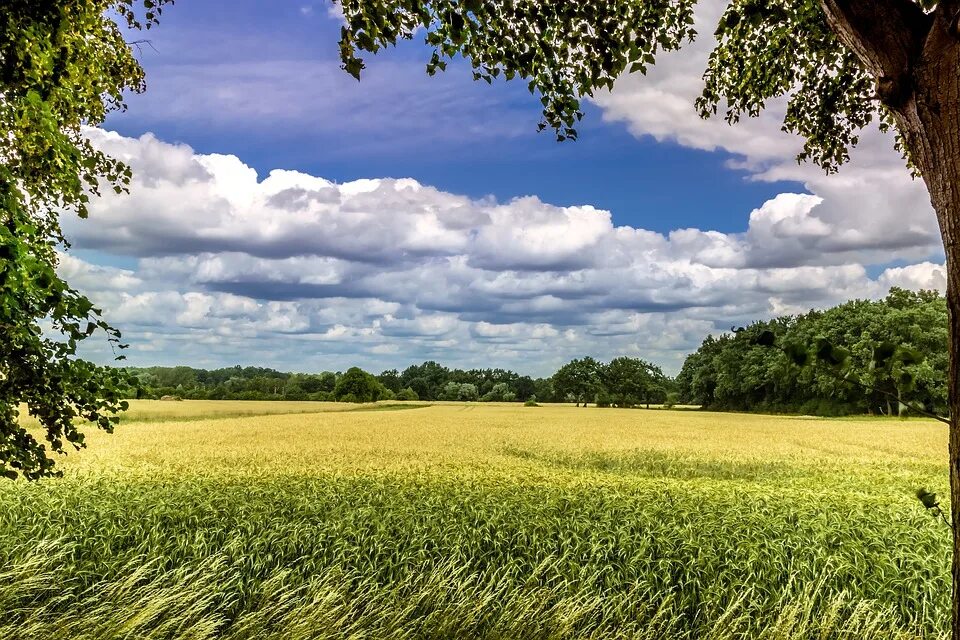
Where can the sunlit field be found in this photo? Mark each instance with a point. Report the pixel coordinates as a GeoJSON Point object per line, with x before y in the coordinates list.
{"type": "Point", "coordinates": [479, 521]}
{"type": "Point", "coordinates": [165, 410]}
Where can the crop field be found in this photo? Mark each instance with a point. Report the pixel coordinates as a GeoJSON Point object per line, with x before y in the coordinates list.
{"type": "Point", "coordinates": [201, 520]}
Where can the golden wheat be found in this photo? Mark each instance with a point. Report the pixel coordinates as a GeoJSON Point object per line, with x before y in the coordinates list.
{"type": "Point", "coordinates": [480, 521]}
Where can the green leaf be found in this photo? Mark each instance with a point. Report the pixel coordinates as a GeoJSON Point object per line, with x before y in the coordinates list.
{"type": "Point", "coordinates": [797, 353]}
{"type": "Point", "coordinates": [906, 381]}
{"type": "Point", "coordinates": [354, 66]}
{"type": "Point", "coordinates": [909, 356]}
{"type": "Point", "coordinates": [63, 67]}
{"type": "Point", "coordinates": [766, 338]}
{"type": "Point", "coordinates": [883, 352]}
{"type": "Point", "coordinates": [928, 499]}
{"type": "Point", "coordinates": [830, 354]}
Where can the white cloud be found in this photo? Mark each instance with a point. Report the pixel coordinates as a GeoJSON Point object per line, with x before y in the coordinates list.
{"type": "Point", "coordinates": [304, 273]}
{"type": "Point", "coordinates": [84, 275]}
{"type": "Point", "coordinates": [335, 12]}
{"type": "Point", "coordinates": [924, 275]}
{"type": "Point", "coordinates": [871, 211]}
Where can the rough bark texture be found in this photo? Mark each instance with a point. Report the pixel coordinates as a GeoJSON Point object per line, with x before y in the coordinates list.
{"type": "Point", "coordinates": [933, 126]}
{"type": "Point", "coordinates": [920, 55]}
{"type": "Point", "coordinates": [886, 35]}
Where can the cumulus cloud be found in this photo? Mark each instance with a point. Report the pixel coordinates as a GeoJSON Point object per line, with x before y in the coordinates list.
{"type": "Point", "coordinates": [867, 212]}
{"type": "Point", "coordinates": [305, 273]}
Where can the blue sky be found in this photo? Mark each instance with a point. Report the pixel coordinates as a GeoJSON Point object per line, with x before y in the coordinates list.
{"type": "Point", "coordinates": [635, 179]}
{"type": "Point", "coordinates": [504, 248]}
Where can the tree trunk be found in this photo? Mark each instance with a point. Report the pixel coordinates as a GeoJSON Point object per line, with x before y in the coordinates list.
{"type": "Point", "coordinates": [914, 56]}
{"type": "Point", "coordinates": [930, 125]}
{"type": "Point", "coordinates": [947, 204]}
{"type": "Point", "coordinates": [953, 391]}
{"type": "Point", "coordinates": [953, 308]}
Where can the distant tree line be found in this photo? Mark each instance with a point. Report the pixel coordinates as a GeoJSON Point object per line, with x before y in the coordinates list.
{"type": "Point", "coordinates": [734, 372]}
{"type": "Point", "coordinates": [427, 381]}
{"type": "Point", "coordinates": [622, 382]}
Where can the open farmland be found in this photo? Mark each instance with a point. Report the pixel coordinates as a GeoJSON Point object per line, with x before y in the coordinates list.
{"type": "Point", "coordinates": [479, 521]}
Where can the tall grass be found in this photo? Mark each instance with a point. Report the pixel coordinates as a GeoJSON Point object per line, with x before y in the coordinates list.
{"type": "Point", "coordinates": [492, 522]}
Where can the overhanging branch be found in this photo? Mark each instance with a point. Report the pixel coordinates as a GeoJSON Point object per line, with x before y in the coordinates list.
{"type": "Point", "coordinates": [886, 35]}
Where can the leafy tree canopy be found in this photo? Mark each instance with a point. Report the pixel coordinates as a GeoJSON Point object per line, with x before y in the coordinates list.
{"type": "Point", "coordinates": [359, 386]}
{"type": "Point", "coordinates": [578, 379]}
{"type": "Point", "coordinates": [566, 51]}
{"type": "Point", "coordinates": [630, 381]}
{"type": "Point", "coordinates": [861, 356]}
{"type": "Point", "coordinates": [63, 65]}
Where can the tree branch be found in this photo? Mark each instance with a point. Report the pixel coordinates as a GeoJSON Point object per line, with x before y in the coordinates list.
{"type": "Point", "coordinates": [912, 407]}
{"type": "Point", "coordinates": [948, 8]}
{"type": "Point", "coordinates": [886, 35]}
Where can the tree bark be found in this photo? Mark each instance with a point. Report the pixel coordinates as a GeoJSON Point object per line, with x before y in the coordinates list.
{"type": "Point", "coordinates": [930, 125]}
{"type": "Point", "coordinates": [953, 306]}
{"type": "Point", "coordinates": [886, 36]}
{"type": "Point", "coordinates": [915, 59]}
{"type": "Point", "coordinates": [919, 57]}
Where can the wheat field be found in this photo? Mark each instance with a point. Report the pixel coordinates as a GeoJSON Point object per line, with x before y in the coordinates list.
{"type": "Point", "coordinates": [290, 521]}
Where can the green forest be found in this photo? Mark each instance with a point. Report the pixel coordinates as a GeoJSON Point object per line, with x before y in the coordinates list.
{"type": "Point", "coordinates": [731, 371]}
{"type": "Point", "coordinates": [734, 372]}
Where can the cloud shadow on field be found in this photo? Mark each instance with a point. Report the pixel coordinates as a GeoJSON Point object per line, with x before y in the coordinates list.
{"type": "Point", "coordinates": [656, 464]}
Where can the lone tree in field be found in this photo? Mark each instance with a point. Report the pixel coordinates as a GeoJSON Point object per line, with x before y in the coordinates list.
{"type": "Point", "coordinates": [842, 64]}
{"type": "Point", "coordinates": [64, 65]}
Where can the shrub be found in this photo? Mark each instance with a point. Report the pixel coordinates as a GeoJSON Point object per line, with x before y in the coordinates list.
{"type": "Point", "coordinates": [500, 392]}
{"type": "Point", "coordinates": [468, 391]}
{"type": "Point", "coordinates": [406, 394]}
{"type": "Point", "coordinates": [451, 391]}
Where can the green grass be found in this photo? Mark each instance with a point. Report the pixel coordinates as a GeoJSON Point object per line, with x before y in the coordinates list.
{"type": "Point", "coordinates": [483, 522]}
